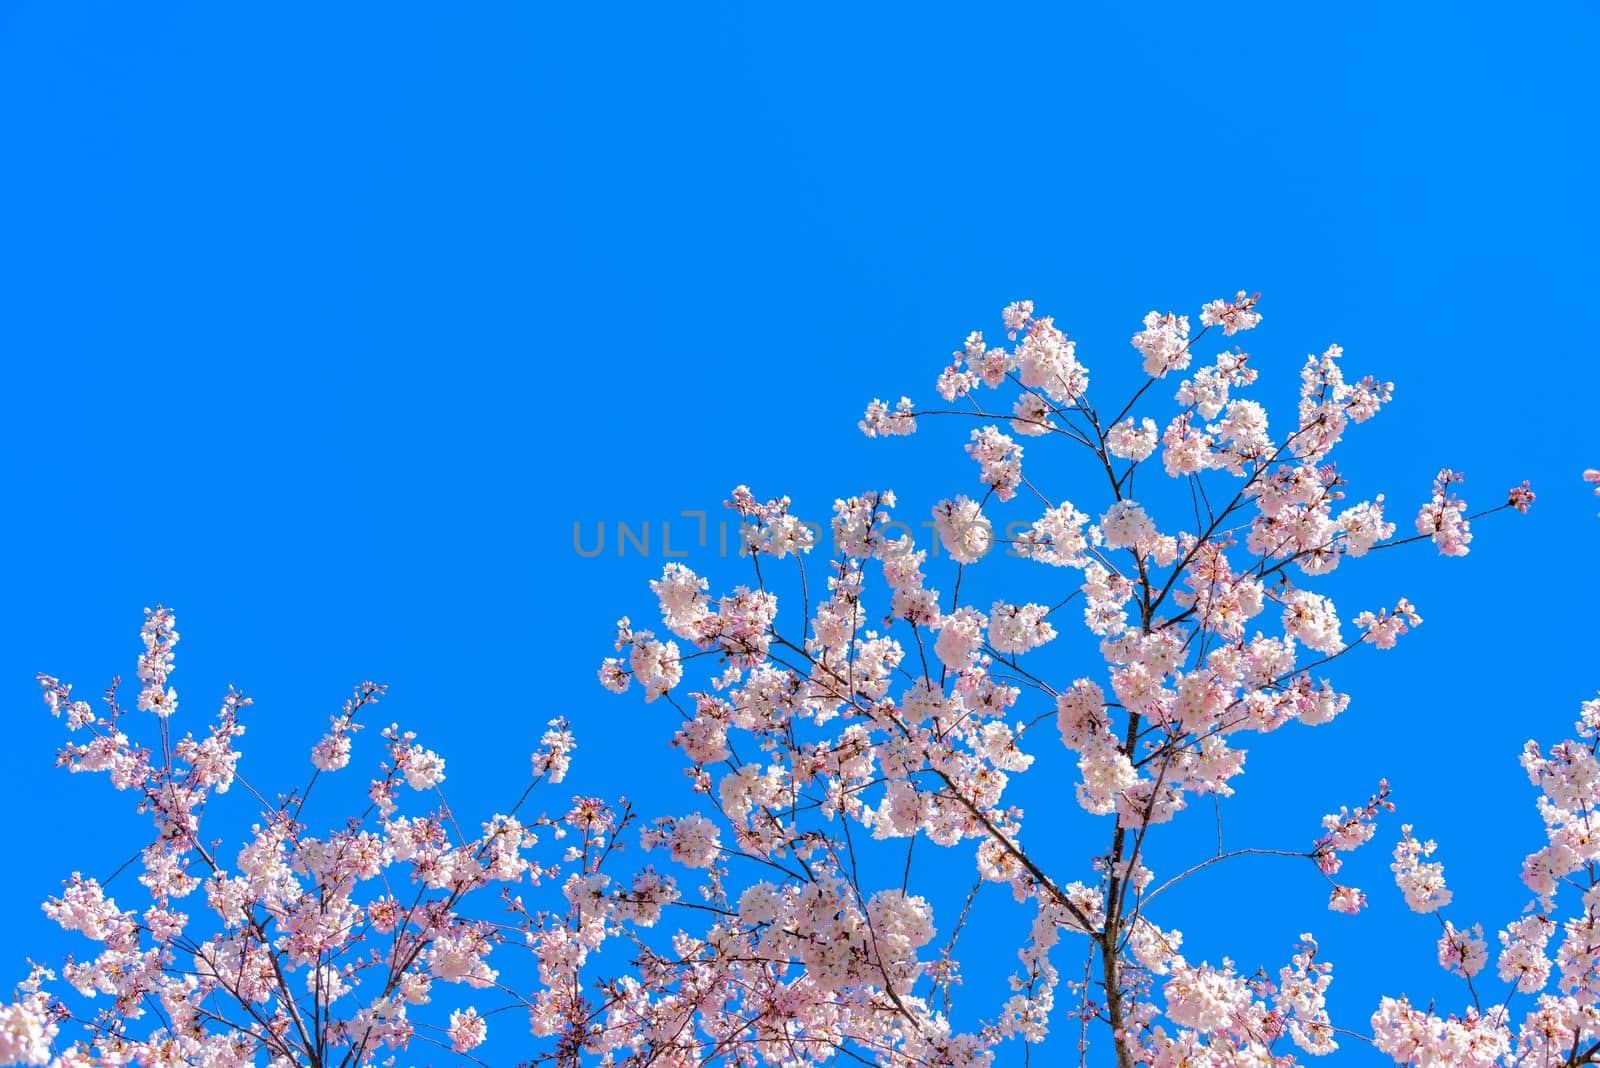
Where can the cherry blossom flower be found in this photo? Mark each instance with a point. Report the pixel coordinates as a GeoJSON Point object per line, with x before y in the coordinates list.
{"type": "Point", "coordinates": [1164, 342]}
{"type": "Point", "coordinates": [1421, 881]}
{"type": "Point", "coordinates": [881, 422]}
{"type": "Point", "coordinates": [1000, 459]}
{"type": "Point", "coordinates": [1443, 518]}
{"type": "Point", "coordinates": [1347, 899]}
{"type": "Point", "coordinates": [1129, 442]}
{"type": "Point", "coordinates": [1463, 952]}
{"type": "Point", "coordinates": [467, 1030]}
{"type": "Point", "coordinates": [1233, 316]}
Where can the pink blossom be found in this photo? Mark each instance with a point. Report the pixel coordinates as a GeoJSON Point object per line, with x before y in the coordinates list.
{"type": "Point", "coordinates": [694, 841]}
{"type": "Point", "coordinates": [1443, 518]}
{"type": "Point", "coordinates": [1000, 460]}
{"type": "Point", "coordinates": [424, 769]}
{"type": "Point", "coordinates": [467, 1030]}
{"type": "Point", "coordinates": [1164, 342]}
{"type": "Point", "coordinates": [1233, 316]}
{"type": "Point", "coordinates": [1421, 881]}
{"type": "Point", "coordinates": [1019, 628]}
{"type": "Point", "coordinates": [962, 529]}
{"type": "Point", "coordinates": [1130, 442]}
{"type": "Point", "coordinates": [1016, 315]}
{"type": "Point", "coordinates": [1347, 899]}
{"type": "Point", "coordinates": [881, 422]}
{"type": "Point", "coordinates": [1462, 952]}
{"type": "Point", "coordinates": [1048, 362]}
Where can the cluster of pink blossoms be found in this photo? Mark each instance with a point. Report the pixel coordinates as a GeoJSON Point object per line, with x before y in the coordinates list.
{"type": "Point", "coordinates": [1559, 1028]}
{"type": "Point", "coordinates": [910, 715]}
{"type": "Point", "coordinates": [317, 951]}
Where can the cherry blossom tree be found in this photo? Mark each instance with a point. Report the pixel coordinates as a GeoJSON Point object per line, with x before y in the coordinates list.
{"type": "Point", "coordinates": [1560, 1028]}
{"type": "Point", "coordinates": [784, 922]}
{"type": "Point", "coordinates": [906, 714]}
{"type": "Point", "coordinates": [318, 950]}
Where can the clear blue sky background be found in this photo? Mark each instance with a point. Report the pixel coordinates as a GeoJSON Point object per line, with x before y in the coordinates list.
{"type": "Point", "coordinates": [325, 323]}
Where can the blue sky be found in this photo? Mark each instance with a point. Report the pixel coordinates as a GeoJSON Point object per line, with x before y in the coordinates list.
{"type": "Point", "coordinates": [325, 324]}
